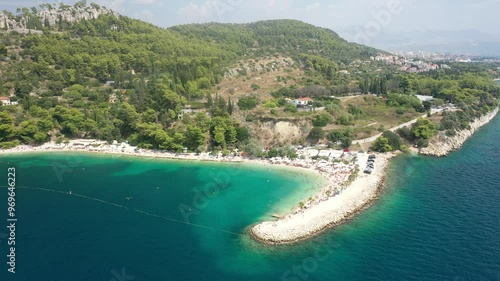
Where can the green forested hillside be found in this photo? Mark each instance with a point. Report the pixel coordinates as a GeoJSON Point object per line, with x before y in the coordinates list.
{"type": "Point", "coordinates": [287, 37]}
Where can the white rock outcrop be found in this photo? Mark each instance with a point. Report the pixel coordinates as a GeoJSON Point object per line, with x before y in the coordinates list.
{"type": "Point", "coordinates": [53, 16]}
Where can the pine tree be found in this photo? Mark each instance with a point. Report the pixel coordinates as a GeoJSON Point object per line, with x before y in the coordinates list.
{"type": "Point", "coordinates": [230, 106]}
{"type": "Point", "coordinates": [210, 101]}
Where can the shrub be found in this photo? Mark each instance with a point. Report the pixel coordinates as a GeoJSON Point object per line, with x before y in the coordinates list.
{"type": "Point", "coordinates": [423, 143]}
{"type": "Point", "coordinates": [451, 133]}
{"type": "Point", "coordinates": [9, 144]}
{"type": "Point", "coordinates": [382, 145]}
{"type": "Point", "coordinates": [271, 104]}
{"type": "Point", "coordinates": [394, 140]}
{"type": "Point", "coordinates": [255, 87]}
{"type": "Point", "coordinates": [316, 134]}
{"type": "Point", "coordinates": [345, 120]}
{"type": "Point", "coordinates": [248, 103]}
{"type": "Point", "coordinates": [322, 120]}
{"type": "Point", "coordinates": [273, 152]}
{"type": "Point", "coordinates": [283, 92]}
{"type": "Point", "coordinates": [342, 136]}
{"type": "Point", "coordinates": [356, 112]}
{"type": "Point", "coordinates": [291, 108]}
{"type": "Point", "coordinates": [318, 104]}
{"type": "Point", "coordinates": [250, 118]}
{"type": "Point", "coordinates": [423, 129]}
{"type": "Point", "coordinates": [405, 133]}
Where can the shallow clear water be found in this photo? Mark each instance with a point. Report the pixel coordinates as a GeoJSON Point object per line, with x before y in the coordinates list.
{"type": "Point", "coordinates": [438, 219]}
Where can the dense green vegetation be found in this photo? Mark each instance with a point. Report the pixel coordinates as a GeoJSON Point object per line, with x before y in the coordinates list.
{"type": "Point", "coordinates": [59, 80]}
{"type": "Point", "coordinates": [286, 37]}
{"type": "Point", "coordinates": [115, 78]}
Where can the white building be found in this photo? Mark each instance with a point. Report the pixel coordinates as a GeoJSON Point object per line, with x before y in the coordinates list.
{"type": "Point", "coordinates": [302, 101]}
{"type": "Point", "coordinates": [425, 98]}
{"type": "Point", "coordinates": [7, 101]}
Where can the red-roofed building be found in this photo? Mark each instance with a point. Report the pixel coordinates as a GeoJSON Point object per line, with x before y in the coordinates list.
{"type": "Point", "coordinates": [302, 101]}
{"type": "Point", "coordinates": [6, 101]}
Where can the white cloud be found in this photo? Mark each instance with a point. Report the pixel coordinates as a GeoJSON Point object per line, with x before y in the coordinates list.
{"type": "Point", "coordinates": [211, 10]}
{"type": "Point", "coordinates": [340, 15]}
{"type": "Point", "coordinates": [115, 5]}
{"type": "Point", "coordinates": [144, 2]}
{"type": "Point", "coordinates": [198, 13]}
{"type": "Point", "coordinates": [145, 15]}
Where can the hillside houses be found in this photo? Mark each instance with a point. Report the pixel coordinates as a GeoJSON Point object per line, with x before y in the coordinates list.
{"type": "Point", "coordinates": [409, 65]}
{"type": "Point", "coordinates": [7, 101]}
{"type": "Point", "coordinates": [301, 101]}
{"type": "Point", "coordinates": [425, 98]}
{"type": "Point", "coordinates": [113, 98]}
{"type": "Point", "coordinates": [188, 109]}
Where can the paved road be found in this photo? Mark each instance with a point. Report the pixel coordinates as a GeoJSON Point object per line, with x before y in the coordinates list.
{"type": "Point", "coordinates": [372, 139]}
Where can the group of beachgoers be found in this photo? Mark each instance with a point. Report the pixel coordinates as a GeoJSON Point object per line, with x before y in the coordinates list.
{"type": "Point", "coordinates": [336, 174]}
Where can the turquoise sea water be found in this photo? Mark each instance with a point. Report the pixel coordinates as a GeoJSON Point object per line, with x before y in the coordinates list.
{"type": "Point", "coordinates": [438, 219]}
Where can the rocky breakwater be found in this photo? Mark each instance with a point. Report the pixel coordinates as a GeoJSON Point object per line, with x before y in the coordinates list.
{"type": "Point", "coordinates": [334, 211]}
{"type": "Point", "coordinates": [443, 145]}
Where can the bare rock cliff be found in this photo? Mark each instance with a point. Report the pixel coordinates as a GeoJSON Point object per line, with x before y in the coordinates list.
{"type": "Point", "coordinates": [51, 17]}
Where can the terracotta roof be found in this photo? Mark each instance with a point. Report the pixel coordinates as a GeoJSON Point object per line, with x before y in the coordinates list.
{"type": "Point", "coordinates": [4, 98]}
{"type": "Point", "coordinates": [305, 99]}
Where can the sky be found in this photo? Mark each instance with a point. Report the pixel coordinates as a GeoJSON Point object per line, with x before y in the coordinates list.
{"type": "Point", "coordinates": [356, 20]}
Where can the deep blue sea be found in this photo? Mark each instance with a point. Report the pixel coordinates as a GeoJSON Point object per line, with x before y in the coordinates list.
{"type": "Point", "coordinates": [144, 219]}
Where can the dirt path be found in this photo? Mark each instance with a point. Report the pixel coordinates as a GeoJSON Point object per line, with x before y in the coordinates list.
{"type": "Point", "coordinates": [373, 138]}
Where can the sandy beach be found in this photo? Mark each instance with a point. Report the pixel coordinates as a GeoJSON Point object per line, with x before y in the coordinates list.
{"type": "Point", "coordinates": [309, 222]}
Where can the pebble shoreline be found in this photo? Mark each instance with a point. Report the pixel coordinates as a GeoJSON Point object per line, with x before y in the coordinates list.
{"type": "Point", "coordinates": [336, 210]}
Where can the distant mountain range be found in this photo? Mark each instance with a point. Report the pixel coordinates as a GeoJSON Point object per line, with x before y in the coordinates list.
{"type": "Point", "coordinates": [463, 42]}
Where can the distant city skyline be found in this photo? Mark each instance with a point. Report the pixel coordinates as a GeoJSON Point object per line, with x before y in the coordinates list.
{"type": "Point", "coordinates": [371, 22]}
